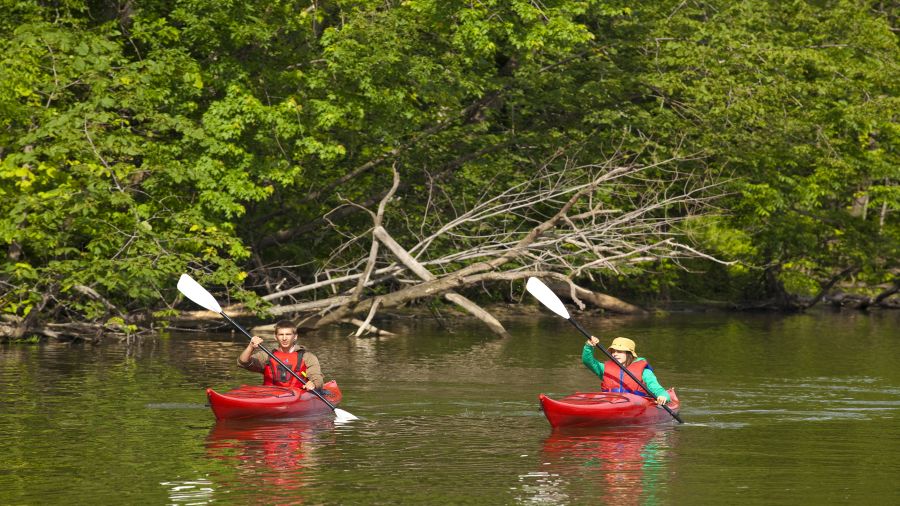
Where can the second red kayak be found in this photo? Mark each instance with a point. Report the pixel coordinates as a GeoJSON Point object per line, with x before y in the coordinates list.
{"type": "Point", "coordinates": [597, 409]}
{"type": "Point", "coordinates": [266, 401]}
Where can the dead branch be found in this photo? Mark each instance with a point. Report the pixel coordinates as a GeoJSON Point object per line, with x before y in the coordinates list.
{"type": "Point", "coordinates": [371, 329]}
{"type": "Point", "coordinates": [373, 252]}
{"type": "Point", "coordinates": [564, 223]}
{"type": "Point", "coordinates": [380, 234]}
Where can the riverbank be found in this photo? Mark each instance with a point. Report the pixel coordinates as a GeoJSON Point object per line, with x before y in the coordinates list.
{"type": "Point", "coordinates": [441, 312]}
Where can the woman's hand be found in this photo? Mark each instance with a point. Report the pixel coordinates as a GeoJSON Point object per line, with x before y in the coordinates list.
{"type": "Point", "coordinates": [593, 341]}
{"type": "Point", "coordinates": [661, 400]}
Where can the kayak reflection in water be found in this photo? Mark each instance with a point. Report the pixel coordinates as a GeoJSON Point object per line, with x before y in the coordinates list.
{"type": "Point", "coordinates": [628, 464]}
{"type": "Point", "coordinates": [280, 454]}
{"type": "Point", "coordinates": [614, 379]}
{"type": "Point", "coordinates": [295, 356]}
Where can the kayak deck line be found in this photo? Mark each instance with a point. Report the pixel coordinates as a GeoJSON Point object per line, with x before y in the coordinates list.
{"type": "Point", "coordinates": [261, 391]}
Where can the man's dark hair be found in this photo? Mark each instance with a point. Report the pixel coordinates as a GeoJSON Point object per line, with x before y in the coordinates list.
{"type": "Point", "coordinates": [285, 324]}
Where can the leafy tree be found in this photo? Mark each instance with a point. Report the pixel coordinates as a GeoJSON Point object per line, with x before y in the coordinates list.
{"type": "Point", "coordinates": [109, 182]}
{"type": "Point", "coordinates": [797, 104]}
{"type": "Point", "coordinates": [242, 139]}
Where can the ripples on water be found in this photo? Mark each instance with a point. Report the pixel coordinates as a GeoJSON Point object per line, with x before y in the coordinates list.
{"type": "Point", "coordinates": [453, 419]}
{"type": "Point", "coordinates": [805, 399]}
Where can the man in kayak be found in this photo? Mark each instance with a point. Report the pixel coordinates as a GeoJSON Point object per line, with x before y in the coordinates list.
{"type": "Point", "coordinates": [295, 356]}
{"type": "Point", "coordinates": [614, 378]}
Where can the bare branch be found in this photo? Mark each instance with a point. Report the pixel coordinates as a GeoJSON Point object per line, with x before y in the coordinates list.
{"type": "Point", "coordinates": [373, 251]}
{"type": "Point", "coordinates": [567, 221]}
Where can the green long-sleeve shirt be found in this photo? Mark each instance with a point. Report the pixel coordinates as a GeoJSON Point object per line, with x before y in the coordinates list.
{"type": "Point", "coordinates": [649, 379]}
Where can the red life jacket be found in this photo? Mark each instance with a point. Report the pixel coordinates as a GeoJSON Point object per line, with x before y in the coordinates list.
{"type": "Point", "coordinates": [615, 379]}
{"type": "Point", "coordinates": [274, 374]}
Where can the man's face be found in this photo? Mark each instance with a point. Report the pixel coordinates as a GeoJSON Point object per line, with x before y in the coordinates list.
{"type": "Point", "coordinates": [285, 337]}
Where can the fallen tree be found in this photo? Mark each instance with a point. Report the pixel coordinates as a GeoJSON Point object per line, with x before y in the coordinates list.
{"type": "Point", "coordinates": [560, 225]}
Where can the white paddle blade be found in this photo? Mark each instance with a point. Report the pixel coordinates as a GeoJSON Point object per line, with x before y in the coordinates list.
{"type": "Point", "coordinates": [343, 416]}
{"type": "Point", "coordinates": [543, 293]}
{"type": "Point", "coordinates": [192, 290]}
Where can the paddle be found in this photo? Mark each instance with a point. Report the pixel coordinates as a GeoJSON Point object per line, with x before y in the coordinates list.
{"type": "Point", "coordinates": [193, 291]}
{"type": "Point", "coordinates": [542, 293]}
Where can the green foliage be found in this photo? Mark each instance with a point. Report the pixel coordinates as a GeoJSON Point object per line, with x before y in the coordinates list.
{"type": "Point", "coordinates": [142, 142]}
{"type": "Point", "coordinates": [797, 103]}
{"type": "Point", "coordinates": [31, 339]}
{"type": "Point", "coordinates": [718, 238]}
{"type": "Point", "coordinates": [106, 181]}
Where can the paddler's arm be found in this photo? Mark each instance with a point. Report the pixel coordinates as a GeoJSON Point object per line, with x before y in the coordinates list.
{"type": "Point", "coordinates": [588, 359]}
{"type": "Point", "coordinates": [314, 376]}
{"type": "Point", "coordinates": [248, 358]}
{"type": "Point", "coordinates": [655, 388]}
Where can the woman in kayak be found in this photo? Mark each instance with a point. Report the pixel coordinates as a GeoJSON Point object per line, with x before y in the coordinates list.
{"type": "Point", "coordinates": [614, 378]}
{"type": "Point", "coordinates": [295, 356]}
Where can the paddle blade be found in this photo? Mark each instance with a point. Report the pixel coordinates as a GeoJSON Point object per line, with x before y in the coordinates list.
{"type": "Point", "coordinates": [343, 416]}
{"type": "Point", "coordinates": [192, 290]}
{"type": "Point", "coordinates": [542, 293]}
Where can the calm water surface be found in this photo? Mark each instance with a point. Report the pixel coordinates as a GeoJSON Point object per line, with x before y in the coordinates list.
{"type": "Point", "coordinates": [801, 409]}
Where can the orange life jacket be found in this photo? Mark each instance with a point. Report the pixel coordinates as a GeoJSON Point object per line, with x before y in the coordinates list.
{"type": "Point", "coordinates": [615, 379]}
{"type": "Point", "coordinates": [275, 374]}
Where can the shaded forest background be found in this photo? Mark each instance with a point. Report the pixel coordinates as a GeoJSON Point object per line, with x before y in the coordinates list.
{"type": "Point", "coordinates": [738, 153]}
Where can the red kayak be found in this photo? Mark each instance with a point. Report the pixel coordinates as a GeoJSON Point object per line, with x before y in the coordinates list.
{"type": "Point", "coordinates": [597, 409]}
{"type": "Point", "coordinates": [266, 401]}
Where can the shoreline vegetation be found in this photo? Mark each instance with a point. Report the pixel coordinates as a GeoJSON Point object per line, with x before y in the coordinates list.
{"type": "Point", "coordinates": [337, 162]}
{"type": "Point", "coordinates": [205, 321]}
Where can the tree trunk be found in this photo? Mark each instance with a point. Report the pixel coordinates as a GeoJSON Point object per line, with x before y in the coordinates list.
{"type": "Point", "coordinates": [600, 300]}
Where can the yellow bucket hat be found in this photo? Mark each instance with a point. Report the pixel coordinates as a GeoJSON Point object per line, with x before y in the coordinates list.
{"type": "Point", "coordinates": [623, 344]}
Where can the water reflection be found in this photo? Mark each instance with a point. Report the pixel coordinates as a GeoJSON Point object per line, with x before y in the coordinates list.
{"type": "Point", "coordinates": [198, 491]}
{"type": "Point", "coordinates": [78, 420]}
{"type": "Point", "coordinates": [615, 466]}
{"type": "Point", "coordinates": [278, 454]}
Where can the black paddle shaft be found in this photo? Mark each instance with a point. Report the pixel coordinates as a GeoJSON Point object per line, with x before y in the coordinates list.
{"type": "Point", "coordinates": [621, 366]}
{"type": "Point", "coordinates": [282, 364]}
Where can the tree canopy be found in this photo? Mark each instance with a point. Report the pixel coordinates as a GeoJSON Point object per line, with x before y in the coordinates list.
{"type": "Point", "coordinates": [250, 143]}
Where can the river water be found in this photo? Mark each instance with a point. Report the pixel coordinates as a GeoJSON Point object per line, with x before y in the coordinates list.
{"type": "Point", "coordinates": [779, 409]}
